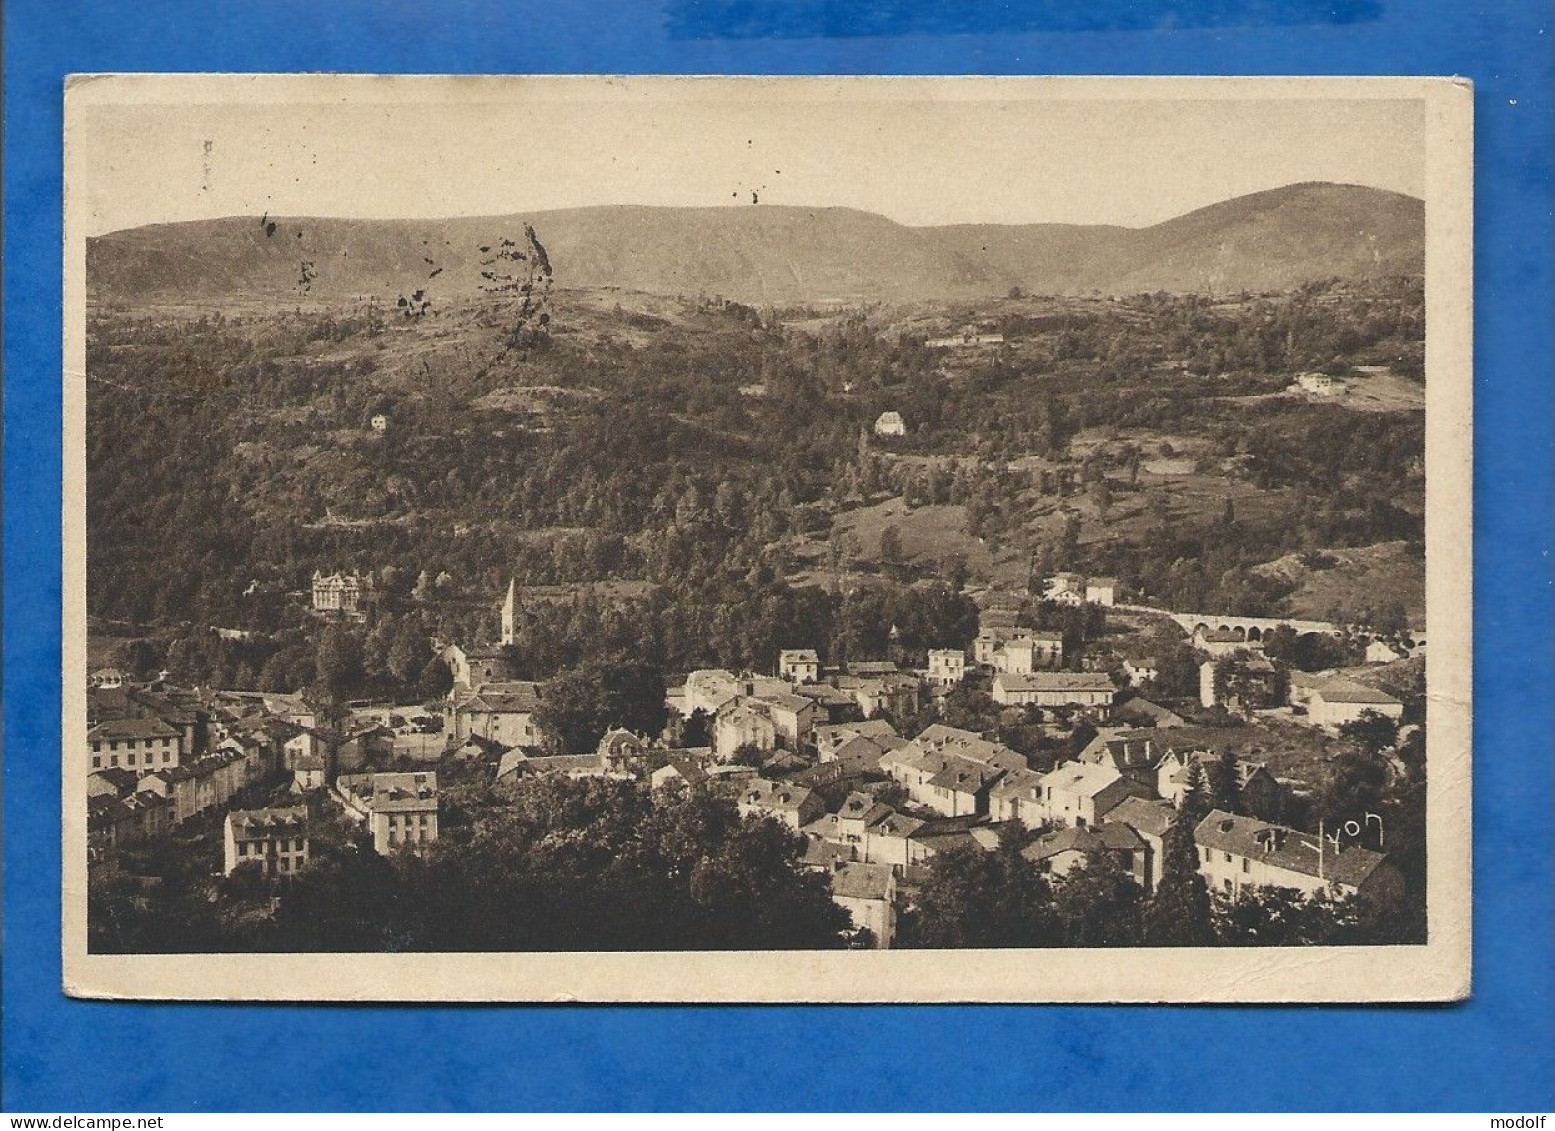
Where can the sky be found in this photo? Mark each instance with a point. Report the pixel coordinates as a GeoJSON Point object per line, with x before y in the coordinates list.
{"type": "Point", "coordinates": [918, 151]}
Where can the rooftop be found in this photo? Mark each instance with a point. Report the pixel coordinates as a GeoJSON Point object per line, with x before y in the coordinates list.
{"type": "Point", "coordinates": [261, 824]}
{"type": "Point", "coordinates": [1141, 814]}
{"type": "Point", "coordinates": [1055, 681]}
{"type": "Point", "coordinates": [1286, 848]}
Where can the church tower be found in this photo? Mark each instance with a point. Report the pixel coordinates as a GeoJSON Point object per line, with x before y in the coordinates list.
{"type": "Point", "coordinates": [510, 613]}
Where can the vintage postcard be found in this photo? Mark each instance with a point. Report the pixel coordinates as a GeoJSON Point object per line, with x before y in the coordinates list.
{"type": "Point", "coordinates": [767, 539]}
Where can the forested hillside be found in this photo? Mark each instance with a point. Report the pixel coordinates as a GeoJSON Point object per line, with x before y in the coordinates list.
{"type": "Point", "coordinates": [691, 481]}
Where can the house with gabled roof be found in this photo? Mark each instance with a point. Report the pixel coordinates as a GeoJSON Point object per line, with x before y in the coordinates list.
{"type": "Point", "coordinates": [400, 809]}
{"type": "Point", "coordinates": [1081, 794]}
{"type": "Point", "coordinates": [867, 892]}
{"type": "Point", "coordinates": [1237, 853]}
{"type": "Point", "coordinates": [1150, 820]}
{"type": "Point", "coordinates": [502, 711]}
{"type": "Point", "coordinates": [134, 742]}
{"type": "Point", "coordinates": [793, 716]}
{"type": "Point", "coordinates": [1133, 753]}
{"type": "Point", "coordinates": [276, 839]}
{"type": "Point", "coordinates": [1092, 691]}
{"type": "Point", "coordinates": [1063, 850]}
{"type": "Point", "coordinates": [792, 805]}
{"type": "Point", "coordinates": [890, 840]}
{"type": "Point", "coordinates": [828, 738]}
{"type": "Point", "coordinates": [959, 787]}
{"type": "Point", "coordinates": [1332, 701]}
{"type": "Point", "coordinates": [799, 665]}
{"type": "Point", "coordinates": [743, 722]}
{"type": "Point", "coordinates": [1017, 797]}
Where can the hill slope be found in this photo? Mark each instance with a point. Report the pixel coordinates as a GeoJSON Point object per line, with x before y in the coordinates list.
{"type": "Point", "coordinates": [1264, 241]}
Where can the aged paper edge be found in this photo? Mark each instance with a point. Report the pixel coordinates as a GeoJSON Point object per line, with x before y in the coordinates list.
{"type": "Point", "coordinates": [1438, 971]}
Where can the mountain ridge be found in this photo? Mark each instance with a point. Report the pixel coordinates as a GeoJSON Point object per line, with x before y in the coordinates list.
{"type": "Point", "coordinates": [778, 253]}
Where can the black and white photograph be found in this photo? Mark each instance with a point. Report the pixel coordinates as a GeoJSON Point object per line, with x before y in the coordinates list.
{"type": "Point", "coordinates": [731, 539]}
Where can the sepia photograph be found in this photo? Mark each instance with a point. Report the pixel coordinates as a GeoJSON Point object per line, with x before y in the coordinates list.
{"type": "Point", "coordinates": [804, 539]}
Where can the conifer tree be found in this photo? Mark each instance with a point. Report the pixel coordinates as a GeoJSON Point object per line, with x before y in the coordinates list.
{"type": "Point", "coordinates": [1180, 913]}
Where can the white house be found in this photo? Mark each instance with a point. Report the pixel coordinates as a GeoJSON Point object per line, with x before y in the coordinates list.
{"type": "Point", "coordinates": [1101, 590]}
{"type": "Point", "coordinates": [399, 808]}
{"type": "Point", "coordinates": [275, 839]}
{"type": "Point", "coordinates": [947, 666]}
{"type": "Point", "coordinates": [1237, 853]}
{"type": "Point", "coordinates": [890, 423]}
{"type": "Point", "coordinates": [743, 722]}
{"type": "Point", "coordinates": [867, 892]}
{"type": "Point", "coordinates": [799, 665]}
{"type": "Point", "coordinates": [1081, 794]}
{"type": "Point", "coordinates": [1319, 384]}
{"type": "Point", "coordinates": [1091, 690]}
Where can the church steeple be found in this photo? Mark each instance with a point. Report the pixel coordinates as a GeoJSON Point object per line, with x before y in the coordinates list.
{"type": "Point", "coordinates": [510, 613]}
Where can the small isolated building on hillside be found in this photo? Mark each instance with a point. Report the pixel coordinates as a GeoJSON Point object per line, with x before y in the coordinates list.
{"type": "Point", "coordinates": [1319, 384]}
{"type": "Point", "coordinates": [890, 423]}
{"type": "Point", "coordinates": [1331, 702]}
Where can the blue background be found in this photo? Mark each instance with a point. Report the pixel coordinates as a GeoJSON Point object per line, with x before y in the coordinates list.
{"type": "Point", "coordinates": [1493, 1053]}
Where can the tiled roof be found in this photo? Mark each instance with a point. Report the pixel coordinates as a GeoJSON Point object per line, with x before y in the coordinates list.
{"type": "Point", "coordinates": [504, 696]}
{"type": "Point", "coordinates": [1143, 815]}
{"type": "Point", "coordinates": [1116, 838]}
{"type": "Point", "coordinates": [1344, 691]}
{"type": "Point", "coordinates": [1055, 681]}
{"type": "Point", "coordinates": [963, 775]}
{"type": "Point", "coordinates": [392, 792]}
{"type": "Point", "coordinates": [787, 702]}
{"type": "Point", "coordinates": [1081, 778]}
{"type": "Point", "coordinates": [862, 881]}
{"type": "Point", "coordinates": [778, 796]}
{"type": "Point", "coordinates": [897, 825]}
{"type": "Point", "coordinates": [134, 729]}
{"type": "Point", "coordinates": [261, 824]}
{"type": "Point", "coordinates": [1286, 848]}
{"type": "Point", "coordinates": [1017, 783]}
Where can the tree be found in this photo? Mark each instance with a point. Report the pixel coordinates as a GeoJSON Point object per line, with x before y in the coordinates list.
{"type": "Point", "coordinates": [435, 680]}
{"type": "Point", "coordinates": [1372, 731]}
{"type": "Point", "coordinates": [577, 707]}
{"type": "Point", "coordinates": [974, 898]}
{"type": "Point", "coordinates": [967, 708]}
{"type": "Point", "coordinates": [1275, 916]}
{"type": "Point", "coordinates": [339, 662]}
{"type": "Point", "coordinates": [1180, 913]}
{"type": "Point", "coordinates": [599, 865]}
{"type": "Point", "coordinates": [1225, 783]}
{"type": "Point", "coordinates": [890, 545]}
{"type": "Point", "coordinates": [1099, 904]}
{"type": "Point", "coordinates": [1196, 797]}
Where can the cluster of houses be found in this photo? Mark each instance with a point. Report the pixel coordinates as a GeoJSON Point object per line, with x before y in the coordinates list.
{"type": "Point", "coordinates": [160, 757]}
{"type": "Point", "coordinates": [811, 746]}
{"type": "Point", "coordinates": [875, 808]}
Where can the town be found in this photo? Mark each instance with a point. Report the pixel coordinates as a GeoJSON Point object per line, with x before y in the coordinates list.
{"type": "Point", "coordinates": [881, 774]}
